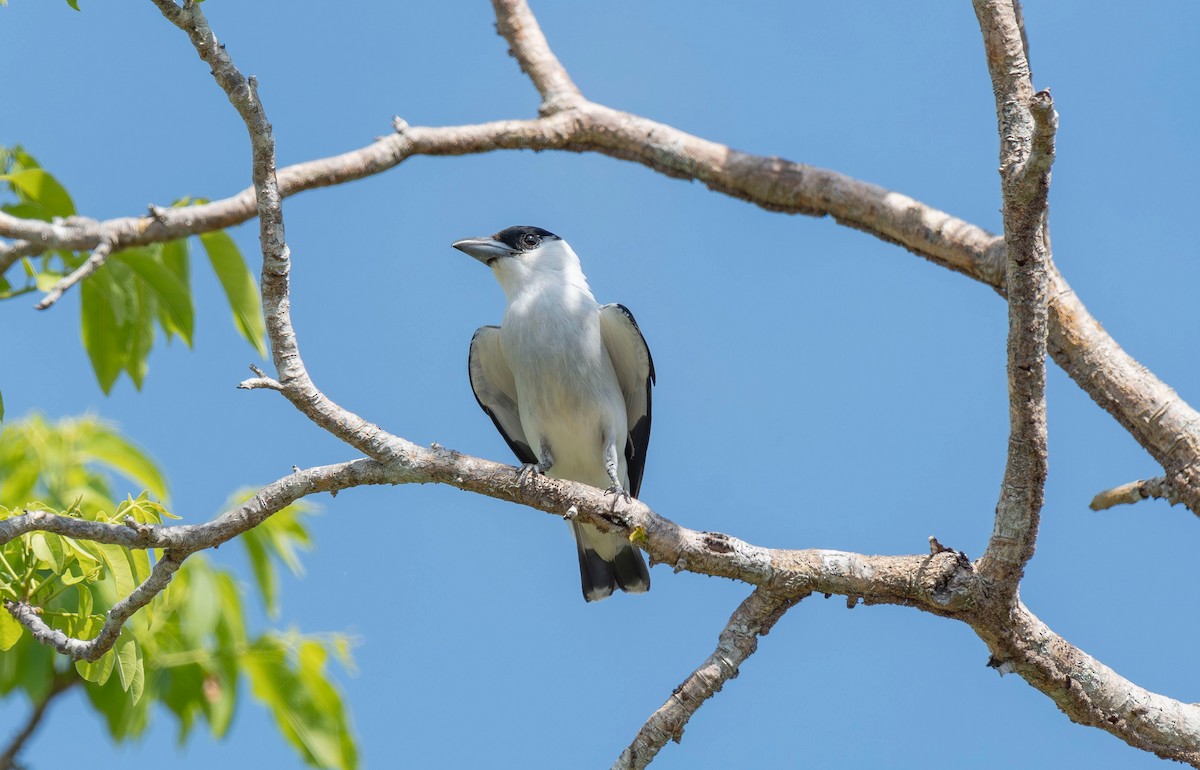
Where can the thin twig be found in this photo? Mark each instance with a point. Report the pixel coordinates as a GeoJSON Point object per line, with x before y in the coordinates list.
{"type": "Point", "coordinates": [93, 263]}
{"type": "Point", "coordinates": [1135, 491]}
{"type": "Point", "coordinates": [192, 537]}
{"type": "Point", "coordinates": [179, 542]}
{"type": "Point", "coordinates": [517, 24]}
{"type": "Point", "coordinates": [92, 649]}
{"type": "Point", "coordinates": [296, 385]}
{"type": "Point", "coordinates": [738, 641]}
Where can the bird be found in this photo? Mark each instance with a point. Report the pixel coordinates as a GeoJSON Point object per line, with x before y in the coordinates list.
{"type": "Point", "coordinates": [567, 383]}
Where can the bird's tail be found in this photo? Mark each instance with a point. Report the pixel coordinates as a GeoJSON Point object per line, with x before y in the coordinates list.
{"type": "Point", "coordinates": [607, 562]}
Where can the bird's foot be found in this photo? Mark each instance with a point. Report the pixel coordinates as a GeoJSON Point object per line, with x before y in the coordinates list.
{"type": "Point", "coordinates": [527, 470]}
{"type": "Point", "coordinates": [619, 492]}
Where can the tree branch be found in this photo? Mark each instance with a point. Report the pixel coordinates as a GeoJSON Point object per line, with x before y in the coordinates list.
{"type": "Point", "coordinates": [1135, 491]}
{"type": "Point", "coordinates": [12, 253]}
{"type": "Point", "coordinates": [517, 24]}
{"type": "Point", "coordinates": [187, 538]}
{"type": "Point", "coordinates": [943, 583]}
{"type": "Point", "coordinates": [294, 381]}
{"type": "Point", "coordinates": [1090, 692]}
{"type": "Point", "coordinates": [1152, 412]}
{"type": "Point", "coordinates": [1165, 425]}
{"type": "Point", "coordinates": [93, 263]}
{"type": "Point", "coordinates": [1027, 124]}
{"type": "Point", "coordinates": [30, 616]}
{"type": "Point", "coordinates": [178, 542]}
{"type": "Point", "coordinates": [738, 641]}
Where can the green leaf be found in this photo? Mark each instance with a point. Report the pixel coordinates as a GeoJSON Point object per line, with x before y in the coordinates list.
{"type": "Point", "coordinates": [74, 4]}
{"type": "Point", "coordinates": [69, 578]}
{"type": "Point", "coordinates": [104, 337]}
{"type": "Point", "coordinates": [84, 599]}
{"type": "Point", "coordinates": [306, 706]}
{"type": "Point", "coordinates": [117, 560]}
{"type": "Point", "coordinates": [231, 629]}
{"type": "Point", "coordinates": [10, 631]}
{"type": "Point", "coordinates": [40, 186]}
{"type": "Point", "coordinates": [45, 280]}
{"type": "Point", "coordinates": [131, 669]}
{"type": "Point", "coordinates": [239, 287]}
{"type": "Point", "coordinates": [1, 407]}
{"type": "Point", "coordinates": [124, 716]}
{"type": "Point", "coordinates": [172, 293]}
{"type": "Point", "coordinates": [20, 158]}
{"type": "Point", "coordinates": [48, 547]}
{"type": "Point", "coordinates": [182, 691]}
{"type": "Point", "coordinates": [278, 537]}
{"type": "Point", "coordinates": [97, 671]}
{"type": "Point", "coordinates": [264, 572]}
{"type": "Point", "coordinates": [141, 333]}
{"type": "Point", "coordinates": [174, 257]}
{"type": "Point", "coordinates": [102, 444]}
{"type": "Point", "coordinates": [199, 622]}
{"type": "Point", "coordinates": [190, 657]}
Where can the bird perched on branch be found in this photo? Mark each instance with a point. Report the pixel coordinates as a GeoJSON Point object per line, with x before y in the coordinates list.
{"type": "Point", "coordinates": [567, 383]}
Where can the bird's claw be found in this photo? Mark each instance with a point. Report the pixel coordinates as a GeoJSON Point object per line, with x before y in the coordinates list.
{"type": "Point", "coordinates": [527, 470]}
{"type": "Point", "coordinates": [620, 492]}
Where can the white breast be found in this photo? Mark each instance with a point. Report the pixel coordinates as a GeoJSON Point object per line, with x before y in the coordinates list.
{"type": "Point", "coordinates": [567, 391]}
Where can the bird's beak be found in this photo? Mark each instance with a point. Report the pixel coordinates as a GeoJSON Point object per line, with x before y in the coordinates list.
{"type": "Point", "coordinates": [484, 249]}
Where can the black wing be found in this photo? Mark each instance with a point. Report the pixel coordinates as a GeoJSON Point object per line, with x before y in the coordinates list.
{"type": "Point", "coordinates": [496, 389]}
{"type": "Point", "coordinates": [635, 372]}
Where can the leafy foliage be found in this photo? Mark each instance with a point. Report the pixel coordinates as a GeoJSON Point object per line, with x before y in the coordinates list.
{"type": "Point", "coordinates": [190, 647]}
{"type": "Point", "coordinates": [137, 292]}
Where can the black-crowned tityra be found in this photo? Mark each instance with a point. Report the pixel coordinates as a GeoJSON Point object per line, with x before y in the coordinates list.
{"type": "Point", "coordinates": [567, 383]}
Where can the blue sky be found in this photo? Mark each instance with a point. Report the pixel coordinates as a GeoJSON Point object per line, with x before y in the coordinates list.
{"type": "Point", "coordinates": [816, 387]}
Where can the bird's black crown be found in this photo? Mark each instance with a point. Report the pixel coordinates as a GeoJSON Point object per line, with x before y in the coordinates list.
{"type": "Point", "coordinates": [524, 237]}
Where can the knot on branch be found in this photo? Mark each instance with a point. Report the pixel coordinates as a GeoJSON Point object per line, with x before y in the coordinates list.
{"type": "Point", "coordinates": [947, 577]}
{"type": "Point", "coordinates": [717, 542]}
{"type": "Point", "coordinates": [145, 532]}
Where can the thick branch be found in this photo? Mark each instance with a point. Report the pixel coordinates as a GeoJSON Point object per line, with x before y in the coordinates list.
{"type": "Point", "coordinates": [12, 253]}
{"type": "Point", "coordinates": [738, 641]}
{"type": "Point", "coordinates": [1090, 692]}
{"type": "Point", "coordinates": [1149, 409]}
{"type": "Point", "coordinates": [942, 583]}
{"type": "Point", "coordinates": [1027, 124]}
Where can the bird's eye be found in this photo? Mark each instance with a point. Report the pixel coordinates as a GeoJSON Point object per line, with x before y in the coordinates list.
{"type": "Point", "coordinates": [529, 240]}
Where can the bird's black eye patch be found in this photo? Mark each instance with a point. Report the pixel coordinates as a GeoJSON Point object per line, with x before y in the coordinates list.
{"type": "Point", "coordinates": [524, 237]}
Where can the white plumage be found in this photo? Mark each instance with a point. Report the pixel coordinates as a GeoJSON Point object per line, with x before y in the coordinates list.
{"type": "Point", "coordinates": [567, 383]}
